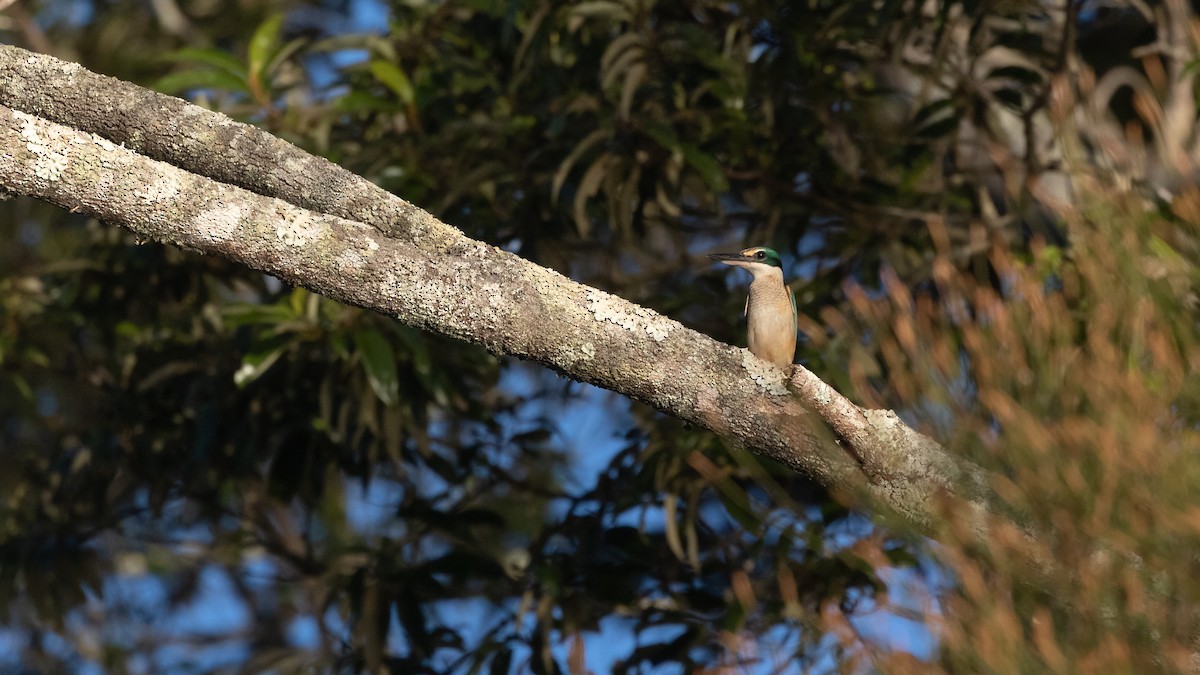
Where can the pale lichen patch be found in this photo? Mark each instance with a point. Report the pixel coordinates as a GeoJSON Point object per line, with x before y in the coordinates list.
{"type": "Point", "coordinates": [349, 260]}
{"type": "Point", "coordinates": [51, 161]}
{"type": "Point", "coordinates": [823, 393]}
{"type": "Point", "coordinates": [295, 166]}
{"type": "Point", "coordinates": [111, 157]}
{"type": "Point", "coordinates": [163, 189]}
{"type": "Point", "coordinates": [388, 287]}
{"type": "Point", "coordinates": [765, 375]}
{"type": "Point", "coordinates": [219, 224]}
{"type": "Point", "coordinates": [105, 144]}
{"type": "Point", "coordinates": [475, 250]}
{"type": "Point", "coordinates": [565, 357]}
{"type": "Point", "coordinates": [50, 165]}
{"type": "Point", "coordinates": [658, 330]}
{"type": "Point", "coordinates": [493, 293]}
{"type": "Point", "coordinates": [606, 307]}
{"type": "Point", "coordinates": [297, 229]}
{"type": "Point", "coordinates": [451, 296]}
{"type": "Point", "coordinates": [588, 349]}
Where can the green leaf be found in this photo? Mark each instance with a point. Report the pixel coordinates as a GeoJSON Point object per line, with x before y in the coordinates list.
{"type": "Point", "coordinates": [738, 508]}
{"type": "Point", "coordinates": [263, 45]}
{"type": "Point", "coordinates": [604, 9]}
{"type": "Point", "coordinates": [1161, 250]}
{"type": "Point", "coordinates": [257, 363]}
{"type": "Point", "coordinates": [734, 618]}
{"type": "Point", "coordinates": [361, 101]}
{"type": "Point", "coordinates": [35, 356]}
{"type": "Point", "coordinates": [285, 52]}
{"type": "Point", "coordinates": [412, 346]}
{"type": "Point", "coordinates": [560, 176]}
{"type": "Point", "coordinates": [393, 77]}
{"type": "Point", "coordinates": [247, 314]}
{"type": "Point", "coordinates": [664, 135]}
{"type": "Point", "coordinates": [215, 58]}
{"type": "Point", "coordinates": [589, 185]}
{"type": "Point", "coordinates": [379, 363]}
{"type": "Point", "coordinates": [23, 387]}
{"type": "Point", "coordinates": [128, 330]}
{"type": "Point", "coordinates": [298, 301]}
{"type": "Point", "coordinates": [200, 78]}
{"type": "Point", "coordinates": [705, 165]}
{"type": "Point", "coordinates": [699, 161]}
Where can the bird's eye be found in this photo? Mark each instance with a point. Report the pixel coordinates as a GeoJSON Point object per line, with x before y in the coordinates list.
{"type": "Point", "coordinates": [760, 255]}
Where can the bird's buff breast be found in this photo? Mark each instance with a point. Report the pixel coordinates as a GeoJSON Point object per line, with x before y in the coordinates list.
{"type": "Point", "coordinates": [772, 333]}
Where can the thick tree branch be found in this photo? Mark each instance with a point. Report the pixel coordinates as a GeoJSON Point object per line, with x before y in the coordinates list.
{"type": "Point", "coordinates": [206, 143]}
{"type": "Point", "coordinates": [306, 220]}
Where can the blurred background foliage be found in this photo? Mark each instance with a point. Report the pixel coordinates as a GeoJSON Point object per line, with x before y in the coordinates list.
{"type": "Point", "coordinates": [991, 212]}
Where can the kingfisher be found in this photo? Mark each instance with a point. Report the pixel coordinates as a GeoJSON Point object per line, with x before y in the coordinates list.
{"type": "Point", "coordinates": [770, 307]}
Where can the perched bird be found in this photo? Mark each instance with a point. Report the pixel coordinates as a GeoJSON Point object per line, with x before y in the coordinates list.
{"type": "Point", "coordinates": [771, 306]}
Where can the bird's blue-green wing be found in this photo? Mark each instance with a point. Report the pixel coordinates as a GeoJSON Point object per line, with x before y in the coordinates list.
{"type": "Point", "coordinates": [792, 295]}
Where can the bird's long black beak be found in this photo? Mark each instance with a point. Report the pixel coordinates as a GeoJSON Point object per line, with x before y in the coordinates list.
{"type": "Point", "coordinates": [724, 257]}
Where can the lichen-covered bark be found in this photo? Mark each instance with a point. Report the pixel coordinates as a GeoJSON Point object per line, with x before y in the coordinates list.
{"type": "Point", "coordinates": [205, 143]}
{"type": "Point", "coordinates": [228, 189]}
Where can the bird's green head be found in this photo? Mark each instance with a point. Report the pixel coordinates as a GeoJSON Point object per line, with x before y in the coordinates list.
{"type": "Point", "coordinates": [756, 257]}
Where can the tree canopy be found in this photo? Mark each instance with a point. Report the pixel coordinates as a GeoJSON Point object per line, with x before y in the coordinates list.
{"type": "Point", "coordinates": [990, 215]}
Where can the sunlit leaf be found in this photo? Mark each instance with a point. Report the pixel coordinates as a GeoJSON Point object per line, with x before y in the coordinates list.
{"type": "Point", "coordinates": [633, 80]}
{"type": "Point", "coordinates": [262, 48]}
{"type": "Point", "coordinates": [618, 47]}
{"type": "Point", "coordinates": [622, 64]}
{"type": "Point", "coordinates": [255, 364]}
{"type": "Point", "coordinates": [564, 168]}
{"type": "Point", "coordinates": [394, 78]}
{"type": "Point", "coordinates": [601, 9]}
{"type": "Point", "coordinates": [589, 185]}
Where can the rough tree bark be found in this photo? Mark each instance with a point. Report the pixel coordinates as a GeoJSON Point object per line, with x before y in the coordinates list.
{"type": "Point", "coordinates": [180, 174]}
